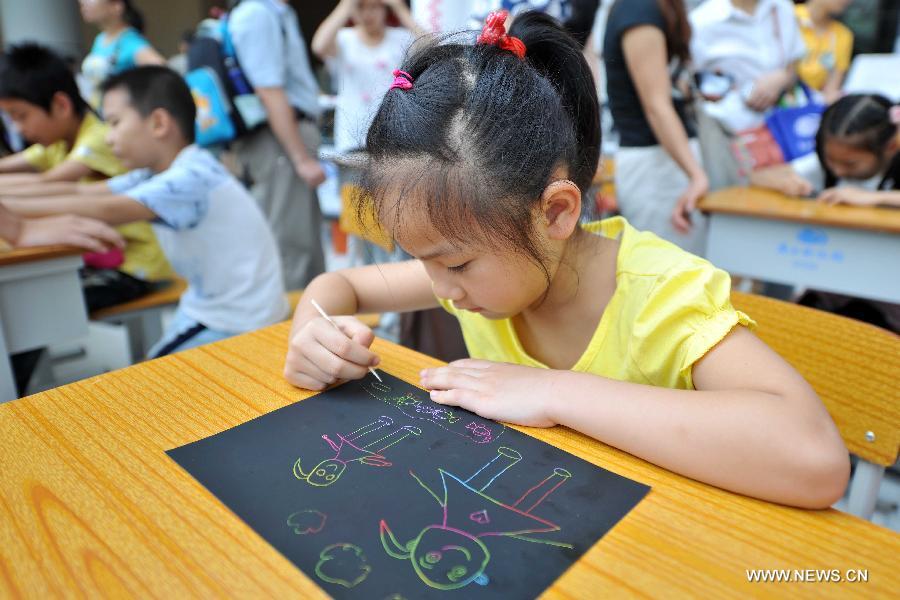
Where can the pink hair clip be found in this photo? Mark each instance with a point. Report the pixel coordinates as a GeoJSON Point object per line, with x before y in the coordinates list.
{"type": "Point", "coordinates": [894, 114]}
{"type": "Point", "coordinates": [402, 80]}
{"type": "Point", "coordinates": [494, 34]}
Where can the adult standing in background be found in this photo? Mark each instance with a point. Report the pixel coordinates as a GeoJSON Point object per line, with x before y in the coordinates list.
{"type": "Point", "coordinates": [752, 48]}
{"type": "Point", "coordinates": [659, 176]}
{"type": "Point", "coordinates": [119, 46]}
{"type": "Point", "coordinates": [280, 159]}
{"type": "Point", "coordinates": [362, 59]}
{"type": "Point", "coordinates": [829, 46]}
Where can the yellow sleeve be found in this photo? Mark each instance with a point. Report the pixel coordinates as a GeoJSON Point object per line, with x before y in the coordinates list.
{"type": "Point", "coordinates": [843, 48]}
{"type": "Point", "coordinates": [92, 150]}
{"type": "Point", "coordinates": [38, 157]}
{"type": "Point", "coordinates": [687, 313]}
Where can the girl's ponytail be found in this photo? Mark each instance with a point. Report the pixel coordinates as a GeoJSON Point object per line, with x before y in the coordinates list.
{"type": "Point", "coordinates": [556, 55]}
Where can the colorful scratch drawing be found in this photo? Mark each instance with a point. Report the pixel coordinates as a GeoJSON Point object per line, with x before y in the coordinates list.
{"type": "Point", "coordinates": [305, 522]}
{"type": "Point", "coordinates": [348, 450]}
{"type": "Point", "coordinates": [403, 498]}
{"type": "Point", "coordinates": [343, 564]}
{"type": "Point", "coordinates": [454, 421]}
{"type": "Point", "coordinates": [452, 553]}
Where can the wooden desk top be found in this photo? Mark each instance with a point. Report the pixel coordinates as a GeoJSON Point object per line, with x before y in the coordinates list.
{"type": "Point", "coordinates": [91, 505]}
{"type": "Point", "coordinates": [16, 256]}
{"type": "Point", "coordinates": [767, 204]}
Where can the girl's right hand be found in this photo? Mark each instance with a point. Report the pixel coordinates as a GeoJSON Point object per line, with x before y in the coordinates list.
{"type": "Point", "coordinates": [320, 355]}
{"type": "Point", "coordinates": [687, 202]}
{"type": "Point", "coordinates": [794, 184]}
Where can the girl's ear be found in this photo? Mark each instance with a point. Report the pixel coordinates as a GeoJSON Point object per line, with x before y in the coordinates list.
{"type": "Point", "coordinates": [561, 208]}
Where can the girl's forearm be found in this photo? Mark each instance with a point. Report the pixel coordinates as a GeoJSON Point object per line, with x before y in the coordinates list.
{"type": "Point", "coordinates": [891, 198]}
{"type": "Point", "coordinates": [333, 293]}
{"type": "Point", "coordinates": [751, 442]}
{"type": "Point", "coordinates": [669, 131]}
{"type": "Point", "coordinates": [324, 40]}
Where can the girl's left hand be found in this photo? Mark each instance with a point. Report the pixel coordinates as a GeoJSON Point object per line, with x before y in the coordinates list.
{"type": "Point", "coordinates": [498, 391]}
{"type": "Point", "coordinates": [849, 195]}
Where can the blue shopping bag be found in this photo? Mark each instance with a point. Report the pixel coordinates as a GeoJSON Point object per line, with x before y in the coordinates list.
{"type": "Point", "coordinates": [794, 127]}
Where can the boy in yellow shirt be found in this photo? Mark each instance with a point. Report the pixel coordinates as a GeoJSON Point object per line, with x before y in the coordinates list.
{"type": "Point", "coordinates": [829, 45]}
{"type": "Point", "coordinates": [40, 95]}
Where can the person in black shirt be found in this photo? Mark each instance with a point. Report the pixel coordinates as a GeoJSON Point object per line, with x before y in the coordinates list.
{"type": "Point", "coordinates": [659, 177]}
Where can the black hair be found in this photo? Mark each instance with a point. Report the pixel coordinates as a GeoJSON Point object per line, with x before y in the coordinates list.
{"type": "Point", "coordinates": [131, 15]}
{"type": "Point", "coordinates": [34, 73]}
{"type": "Point", "coordinates": [859, 120]}
{"type": "Point", "coordinates": [678, 28]}
{"type": "Point", "coordinates": [153, 87]}
{"type": "Point", "coordinates": [581, 19]}
{"type": "Point", "coordinates": [481, 133]}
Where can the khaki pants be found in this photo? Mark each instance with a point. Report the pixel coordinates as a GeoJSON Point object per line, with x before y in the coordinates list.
{"type": "Point", "coordinates": [290, 206]}
{"type": "Point", "coordinates": [721, 167]}
{"type": "Point", "coordinates": [648, 185]}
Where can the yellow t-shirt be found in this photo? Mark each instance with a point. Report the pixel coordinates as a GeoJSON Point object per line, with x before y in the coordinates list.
{"type": "Point", "coordinates": [826, 52]}
{"type": "Point", "coordinates": [669, 309]}
{"type": "Point", "coordinates": [144, 258]}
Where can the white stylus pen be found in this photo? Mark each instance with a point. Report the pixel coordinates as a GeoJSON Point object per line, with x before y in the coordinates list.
{"type": "Point", "coordinates": [329, 319]}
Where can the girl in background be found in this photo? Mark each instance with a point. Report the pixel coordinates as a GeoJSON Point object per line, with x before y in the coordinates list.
{"type": "Point", "coordinates": [857, 161]}
{"type": "Point", "coordinates": [829, 46]}
{"type": "Point", "coordinates": [119, 46]}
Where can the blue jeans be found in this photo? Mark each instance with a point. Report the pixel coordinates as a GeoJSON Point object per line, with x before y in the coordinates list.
{"type": "Point", "coordinates": [181, 326]}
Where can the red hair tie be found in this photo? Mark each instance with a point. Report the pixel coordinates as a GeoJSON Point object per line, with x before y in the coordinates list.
{"type": "Point", "coordinates": [494, 34]}
{"type": "Point", "coordinates": [402, 80]}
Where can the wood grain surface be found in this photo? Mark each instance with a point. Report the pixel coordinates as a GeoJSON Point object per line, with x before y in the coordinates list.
{"type": "Point", "coordinates": [768, 204]}
{"type": "Point", "coordinates": [90, 505]}
{"type": "Point", "coordinates": [14, 256]}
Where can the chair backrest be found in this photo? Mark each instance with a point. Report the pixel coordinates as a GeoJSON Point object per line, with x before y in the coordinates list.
{"type": "Point", "coordinates": [853, 366]}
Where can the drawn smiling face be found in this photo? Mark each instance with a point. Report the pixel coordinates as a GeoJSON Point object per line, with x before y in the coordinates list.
{"type": "Point", "coordinates": [326, 472]}
{"type": "Point", "coordinates": [448, 559]}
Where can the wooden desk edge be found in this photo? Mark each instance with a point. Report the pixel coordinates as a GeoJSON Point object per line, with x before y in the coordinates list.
{"type": "Point", "coordinates": [762, 204]}
{"type": "Point", "coordinates": [24, 255]}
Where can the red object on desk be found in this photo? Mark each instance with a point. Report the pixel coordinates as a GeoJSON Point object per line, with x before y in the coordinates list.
{"type": "Point", "coordinates": [110, 259]}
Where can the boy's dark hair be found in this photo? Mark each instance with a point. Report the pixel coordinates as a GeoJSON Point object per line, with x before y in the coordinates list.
{"type": "Point", "coordinates": [152, 87]}
{"type": "Point", "coordinates": [34, 74]}
{"type": "Point", "coordinates": [859, 120]}
{"type": "Point", "coordinates": [482, 131]}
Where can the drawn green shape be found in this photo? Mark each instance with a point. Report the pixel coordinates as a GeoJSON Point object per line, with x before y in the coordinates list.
{"type": "Point", "coordinates": [323, 474]}
{"type": "Point", "coordinates": [443, 557]}
{"type": "Point", "coordinates": [307, 521]}
{"type": "Point", "coordinates": [325, 556]}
